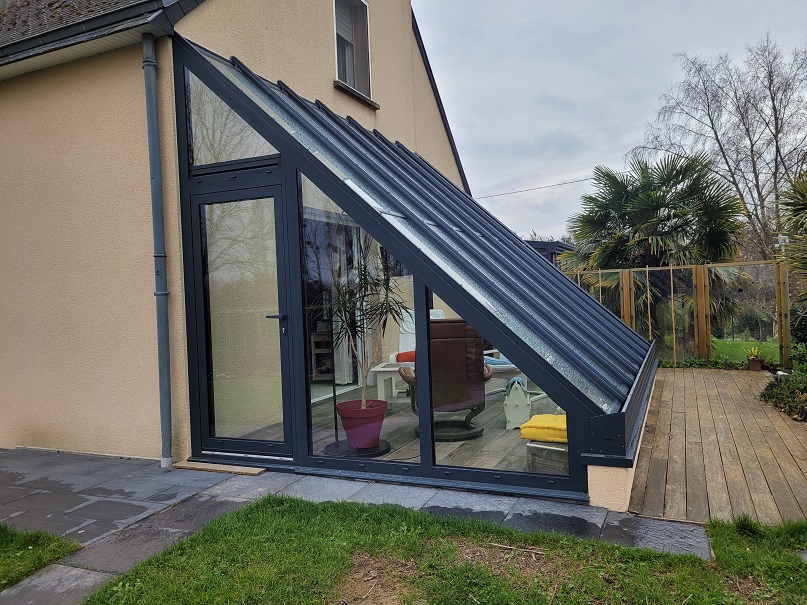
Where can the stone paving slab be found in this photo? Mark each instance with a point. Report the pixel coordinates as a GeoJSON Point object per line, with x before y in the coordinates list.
{"type": "Point", "coordinates": [323, 489]}
{"type": "Point", "coordinates": [657, 534]}
{"type": "Point", "coordinates": [249, 489]}
{"type": "Point", "coordinates": [59, 502]}
{"type": "Point", "coordinates": [11, 493]}
{"type": "Point", "coordinates": [55, 585]}
{"type": "Point", "coordinates": [55, 523]}
{"type": "Point", "coordinates": [530, 514]}
{"type": "Point", "coordinates": [192, 514]}
{"type": "Point", "coordinates": [85, 534]}
{"type": "Point", "coordinates": [120, 512]}
{"type": "Point", "coordinates": [408, 496]}
{"type": "Point", "coordinates": [119, 552]}
{"type": "Point", "coordinates": [469, 505]}
{"type": "Point", "coordinates": [65, 483]}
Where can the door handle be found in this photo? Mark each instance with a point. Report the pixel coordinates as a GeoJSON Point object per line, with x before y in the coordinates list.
{"type": "Point", "coordinates": [280, 316]}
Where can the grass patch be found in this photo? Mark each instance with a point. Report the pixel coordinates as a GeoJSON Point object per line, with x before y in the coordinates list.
{"type": "Point", "coordinates": [737, 350]}
{"type": "Point", "coordinates": [23, 552]}
{"type": "Point", "coordinates": [282, 550]}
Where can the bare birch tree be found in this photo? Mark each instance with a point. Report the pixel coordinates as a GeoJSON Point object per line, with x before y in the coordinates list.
{"type": "Point", "coordinates": [750, 119]}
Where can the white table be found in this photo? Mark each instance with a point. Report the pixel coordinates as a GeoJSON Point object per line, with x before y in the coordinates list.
{"type": "Point", "coordinates": [388, 370]}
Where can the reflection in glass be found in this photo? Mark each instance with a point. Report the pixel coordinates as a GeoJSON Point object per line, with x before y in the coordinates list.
{"type": "Point", "coordinates": [358, 309]}
{"type": "Point", "coordinates": [487, 414]}
{"type": "Point", "coordinates": [743, 312]}
{"type": "Point", "coordinates": [238, 240]}
{"type": "Point", "coordinates": [217, 133]}
{"type": "Point", "coordinates": [664, 310]}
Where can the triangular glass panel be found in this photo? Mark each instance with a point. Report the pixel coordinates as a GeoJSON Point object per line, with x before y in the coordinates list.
{"type": "Point", "coordinates": [217, 133]}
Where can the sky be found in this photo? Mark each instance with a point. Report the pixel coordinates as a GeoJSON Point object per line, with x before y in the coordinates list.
{"type": "Point", "coordinates": [540, 92]}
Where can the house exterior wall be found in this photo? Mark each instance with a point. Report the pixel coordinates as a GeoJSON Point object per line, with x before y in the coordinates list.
{"type": "Point", "coordinates": [294, 42]}
{"type": "Point", "coordinates": [78, 351]}
{"type": "Point", "coordinates": [77, 336]}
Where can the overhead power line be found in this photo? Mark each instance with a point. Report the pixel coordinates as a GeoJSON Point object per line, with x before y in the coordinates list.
{"type": "Point", "coordinates": [588, 178]}
{"type": "Point", "coordinates": [482, 197]}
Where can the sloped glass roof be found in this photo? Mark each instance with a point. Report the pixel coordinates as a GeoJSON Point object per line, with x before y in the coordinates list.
{"type": "Point", "coordinates": [461, 244]}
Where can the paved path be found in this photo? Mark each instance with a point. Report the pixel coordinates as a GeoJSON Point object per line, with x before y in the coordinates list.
{"type": "Point", "coordinates": [712, 450]}
{"type": "Point", "coordinates": [124, 511]}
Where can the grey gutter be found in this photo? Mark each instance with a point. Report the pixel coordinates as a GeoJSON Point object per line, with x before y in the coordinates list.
{"type": "Point", "coordinates": [158, 226]}
{"type": "Point", "coordinates": [440, 108]}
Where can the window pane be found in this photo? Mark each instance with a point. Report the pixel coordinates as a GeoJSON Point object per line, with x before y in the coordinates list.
{"type": "Point", "coordinates": [351, 286]}
{"type": "Point", "coordinates": [241, 290]}
{"type": "Point", "coordinates": [217, 133]}
{"type": "Point", "coordinates": [487, 414]}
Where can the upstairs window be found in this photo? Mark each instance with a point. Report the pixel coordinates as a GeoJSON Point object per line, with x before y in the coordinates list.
{"type": "Point", "coordinates": [352, 45]}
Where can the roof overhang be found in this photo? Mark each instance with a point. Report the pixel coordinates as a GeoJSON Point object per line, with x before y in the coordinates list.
{"type": "Point", "coordinates": [98, 35]}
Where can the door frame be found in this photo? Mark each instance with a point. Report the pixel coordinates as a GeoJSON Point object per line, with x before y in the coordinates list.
{"type": "Point", "coordinates": [256, 179]}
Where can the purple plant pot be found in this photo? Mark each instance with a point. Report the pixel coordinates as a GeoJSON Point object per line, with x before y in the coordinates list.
{"type": "Point", "coordinates": [362, 425]}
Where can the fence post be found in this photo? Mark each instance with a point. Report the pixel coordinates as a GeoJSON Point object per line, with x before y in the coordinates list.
{"type": "Point", "coordinates": [701, 309]}
{"type": "Point", "coordinates": [626, 296]}
{"type": "Point", "coordinates": [783, 315]}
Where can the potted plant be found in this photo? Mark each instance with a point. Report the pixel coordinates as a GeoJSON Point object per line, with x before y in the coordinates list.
{"type": "Point", "coordinates": [361, 302]}
{"type": "Point", "coordinates": [755, 359]}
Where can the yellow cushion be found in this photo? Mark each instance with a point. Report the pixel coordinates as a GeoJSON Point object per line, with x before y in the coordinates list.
{"type": "Point", "coordinates": [545, 427]}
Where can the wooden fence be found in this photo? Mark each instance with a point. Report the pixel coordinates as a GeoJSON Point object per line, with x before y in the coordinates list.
{"type": "Point", "coordinates": [701, 310]}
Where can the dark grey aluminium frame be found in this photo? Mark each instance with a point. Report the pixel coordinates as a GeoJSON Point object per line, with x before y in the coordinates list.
{"type": "Point", "coordinates": [594, 438]}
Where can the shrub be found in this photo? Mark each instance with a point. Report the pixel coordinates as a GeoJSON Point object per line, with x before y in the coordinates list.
{"type": "Point", "coordinates": [789, 394]}
{"type": "Point", "coordinates": [798, 324]}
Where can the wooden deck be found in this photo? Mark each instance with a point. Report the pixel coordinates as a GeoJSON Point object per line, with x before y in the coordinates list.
{"type": "Point", "coordinates": [711, 449]}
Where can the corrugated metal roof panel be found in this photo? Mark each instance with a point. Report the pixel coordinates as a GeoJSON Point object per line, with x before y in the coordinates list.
{"type": "Point", "coordinates": [586, 344]}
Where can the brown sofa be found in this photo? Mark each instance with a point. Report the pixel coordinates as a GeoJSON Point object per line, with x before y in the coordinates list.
{"type": "Point", "coordinates": [458, 381]}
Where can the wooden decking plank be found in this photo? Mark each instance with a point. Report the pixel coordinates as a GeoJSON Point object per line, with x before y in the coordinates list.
{"type": "Point", "coordinates": [764, 502]}
{"type": "Point", "coordinates": [716, 489]}
{"type": "Point", "coordinates": [696, 494]}
{"type": "Point", "coordinates": [736, 484]}
{"type": "Point", "coordinates": [639, 487]}
{"type": "Point", "coordinates": [675, 502]}
{"type": "Point", "coordinates": [679, 394]}
{"type": "Point", "coordinates": [774, 458]}
{"type": "Point", "coordinates": [655, 491]}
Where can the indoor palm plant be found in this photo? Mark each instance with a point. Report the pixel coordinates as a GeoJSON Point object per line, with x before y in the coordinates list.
{"type": "Point", "coordinates": [363, 299]}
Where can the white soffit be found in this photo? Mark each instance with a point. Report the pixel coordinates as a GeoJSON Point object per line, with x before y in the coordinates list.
{"type": "Point", "coordinates": [78, 51]}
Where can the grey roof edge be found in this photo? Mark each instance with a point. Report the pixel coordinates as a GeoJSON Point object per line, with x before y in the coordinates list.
{"type": "Point", "coordinates": [153, 13]}
{"type": "Point", "coordinates": [440, 107]}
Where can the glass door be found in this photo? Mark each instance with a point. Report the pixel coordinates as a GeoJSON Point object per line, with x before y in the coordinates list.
{"type": "Point", "coordinates": [242, 322]}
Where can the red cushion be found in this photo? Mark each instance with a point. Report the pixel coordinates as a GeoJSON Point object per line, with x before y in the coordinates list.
{"type": "Point", "coordinates": [406, 356]}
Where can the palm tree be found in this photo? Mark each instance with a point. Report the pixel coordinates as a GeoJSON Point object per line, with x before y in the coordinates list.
{"type": "Point", "coordinates": [671, 213]}
{"type": "Point", "coordinates": [795, 203]}
{"type": "Point", "coordinates": [674, 212]}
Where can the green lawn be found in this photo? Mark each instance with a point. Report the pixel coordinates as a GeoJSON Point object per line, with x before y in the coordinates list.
{"type": "Point", "coordinates": [736, 350]}
{"type": "Point", "coordinates": [287, 551]}
{"type": "Point", "coordinates": [22, 553]}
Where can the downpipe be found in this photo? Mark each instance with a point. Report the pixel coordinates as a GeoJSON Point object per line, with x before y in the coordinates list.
{"type": "Point", "coordinates": [157, 219]}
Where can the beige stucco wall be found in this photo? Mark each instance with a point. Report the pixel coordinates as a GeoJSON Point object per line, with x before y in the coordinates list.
{"type": "Point", "coordinates": [77, 337]}
{"type": "Point", "coordinates": [78, 352]}
{"type": "Point", "coordinates": [610, 486]}
{"type": "Point", "coordinates": [294, 42]}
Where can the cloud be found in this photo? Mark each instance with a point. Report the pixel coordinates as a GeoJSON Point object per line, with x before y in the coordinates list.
{"type": "Point", "coordinates": [539, 93]}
